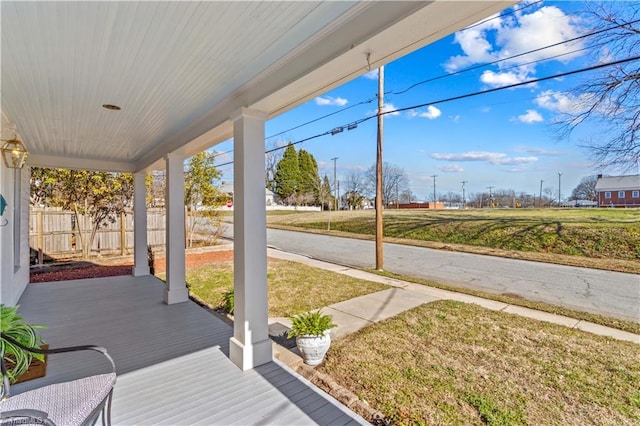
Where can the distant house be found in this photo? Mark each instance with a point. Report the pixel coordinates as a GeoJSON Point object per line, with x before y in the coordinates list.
{"type": "Point", "coordinates": [618, 191]}
{"type": "Point", "coordinates": [227, 188]}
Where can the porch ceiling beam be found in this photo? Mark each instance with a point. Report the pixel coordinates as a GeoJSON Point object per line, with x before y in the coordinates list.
{"type": "Point", "coordinates": [37, 160]}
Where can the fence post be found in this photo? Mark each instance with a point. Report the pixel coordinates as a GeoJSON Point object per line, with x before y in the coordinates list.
{"type": "Point", "coordinates": [40, 238]}
{"type": "Point", "coordinates": [186, 227]}
{"type": "Point", "coordinates": [123, 233]}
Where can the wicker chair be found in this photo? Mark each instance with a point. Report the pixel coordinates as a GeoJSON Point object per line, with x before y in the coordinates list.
{"type": "Point", "coordinates": [78, 402]}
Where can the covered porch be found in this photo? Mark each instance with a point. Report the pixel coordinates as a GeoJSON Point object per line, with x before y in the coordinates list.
{"type": "Point", "coordinates": [139, 86]}
{"type": "Point", "coordinates": [172, 361]}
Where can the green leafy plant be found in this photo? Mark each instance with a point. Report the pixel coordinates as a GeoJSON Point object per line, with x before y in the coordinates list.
{"type": "Point", "coordinates": [15, 359]}
{"type": "Point", "coordinates": [228, 301]}
{"type": "Point", "coordinates": [310, 323]}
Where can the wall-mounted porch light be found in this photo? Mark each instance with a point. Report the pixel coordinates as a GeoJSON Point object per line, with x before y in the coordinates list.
{"type": "Point", "coordinates": [14, 154]}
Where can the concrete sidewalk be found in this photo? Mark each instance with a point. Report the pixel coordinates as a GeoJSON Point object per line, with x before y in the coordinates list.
{"type": "Point", "coordinates": [354, 314]}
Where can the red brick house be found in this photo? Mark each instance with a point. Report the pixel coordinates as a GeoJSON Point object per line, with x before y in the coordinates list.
{"type": "Point", "coordinates": [618, 191]}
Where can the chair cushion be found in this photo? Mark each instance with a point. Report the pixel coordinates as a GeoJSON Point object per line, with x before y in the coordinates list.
{"type": "Point", "coordinates": [68, 403]}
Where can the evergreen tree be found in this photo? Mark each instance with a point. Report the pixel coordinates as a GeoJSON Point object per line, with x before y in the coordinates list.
{"type": "Point", "coordinates": [308, 187]}
{"type": "Point", "coordinates": [326, 199]}
{"type": "Point", "coordinates": [287, 175]}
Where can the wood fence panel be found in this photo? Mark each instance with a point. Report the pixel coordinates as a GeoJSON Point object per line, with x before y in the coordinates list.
{"type": "Point", "coordinates": [53, 229]}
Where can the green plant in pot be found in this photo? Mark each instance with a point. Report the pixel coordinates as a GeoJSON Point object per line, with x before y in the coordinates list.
{"type": "Point", "coordinates": [312, 330]}
{"type": "Point", "coordinates": [17, 360]}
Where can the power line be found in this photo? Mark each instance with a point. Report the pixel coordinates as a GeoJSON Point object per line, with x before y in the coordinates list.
{"type": "Point", "coordinates": [464, 70]}
{"type": "Point", "coordinates": [354, 124]}
{"type": "Point", "coordinates": [479, 66]}
{"type": "Point", "coordinates": [511, 12]}
{"type": "Point", "coordinates": [372, 99]}
{"type": "Point", "coordinates": [323, 117]}
{"type": "Point", "coordinates": [523, 83]}
{"type": "Point", "coordinates": [497, 61]}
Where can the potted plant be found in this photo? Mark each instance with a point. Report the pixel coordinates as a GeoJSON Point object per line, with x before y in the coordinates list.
{"type": "Point", "coordinates": [16, 360]}
{"type": "Point", "coordinates": [312, 330]}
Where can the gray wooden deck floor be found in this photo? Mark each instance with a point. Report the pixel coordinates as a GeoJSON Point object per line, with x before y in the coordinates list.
{"type": "Point", "coordinates": [171, 361]}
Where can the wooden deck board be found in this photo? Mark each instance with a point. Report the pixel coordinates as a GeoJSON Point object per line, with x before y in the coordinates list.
{"type": "Point", "coordinates": [172, 361]}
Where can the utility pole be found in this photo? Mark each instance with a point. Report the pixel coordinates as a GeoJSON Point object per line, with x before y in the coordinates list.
{"type": "Point", "coordinates": [464, 202]}
{"type": "Point", "coordinates": [559, 189]}
{"type": "Point", "coordinates": [398, 197]}
{"type": "Point", "coordinates": [490, 188]}
{"type": "Point", "coordinates": [335, 183]}
{"type": "Point", "coordinates": [540, 197]}
{"type": "Point", "coordinates": [379, 224]}
{"type": "Point", "coordinates": [434, 190]}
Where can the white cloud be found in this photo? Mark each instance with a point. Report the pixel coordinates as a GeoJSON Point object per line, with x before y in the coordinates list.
{"type": "Point", "coordinates": [388, 107]}
{"type": "Point", "coordinates": [497, 158]}
{"type": "Point", "coordinates": [538, 151]}
{"type": "Point", "coordinates": [562, 102]}
{"type": "Point", "coordinates": [518, 160]}
{"type": "Point", "coordinates": [431, 113]}
{"type": "Point", "coordinates": [469, 156]}
{"type": "Point", "coordinates": [451, 168]}
{"type": "Point", "coordinates": [372, 75]}
{"type": "Point", "coordinates": [499, 79]}
{"type": "Point", "coordinates": [385, 108]}
{"type": "Point", "coordinates": [543, 27]}
{"type": "Point", "coordinates": [517, 170]}
{"type": "Point", "coordinates": [520, 33]}
{"type": "Point", "coordinates": [474, 44]}
{"type": "Point", "coordinates": [531, 116]}
{"type": "Point", "coordinates": [329, 100]}
{"type": "Point", "coordinates": [454, 118]}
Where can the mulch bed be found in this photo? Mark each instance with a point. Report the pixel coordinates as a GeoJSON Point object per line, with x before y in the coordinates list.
{"type": "Point", "coordinates": [82, 269]}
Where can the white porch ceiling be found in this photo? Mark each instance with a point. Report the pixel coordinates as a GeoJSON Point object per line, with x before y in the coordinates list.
{"type": "Point", "coordinates": [179, 69]}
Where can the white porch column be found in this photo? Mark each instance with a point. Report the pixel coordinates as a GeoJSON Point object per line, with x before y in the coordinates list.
{"type": "Point", "coordinates": [176, 289]}
{"type": "Point", "coordinates": [250, 345]}
{"type": "Point", "coordinates": [141, 262]}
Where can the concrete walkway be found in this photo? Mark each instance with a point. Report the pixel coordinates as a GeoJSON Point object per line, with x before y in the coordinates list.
{"type": "Point", "coordinates": [354, 314]}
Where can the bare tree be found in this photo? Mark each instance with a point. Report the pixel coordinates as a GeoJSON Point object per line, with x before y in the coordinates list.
{"type": "Point", "coordinates": [407, 195]}
{"type": "Point", "coordinates": [354, 189]}
{"type": "Point", "coordinates": [586, 189]}
{"type": "Point", "coordinates": [549, 196]}
{"type": "Point", "coordinates": [394, 181]}
{"type": "Point", "coordinates": [271, 159]}
{"type": "Point", "coordinates": [611, 98]}
{"type": "Point", "coordinates": [156, 189]}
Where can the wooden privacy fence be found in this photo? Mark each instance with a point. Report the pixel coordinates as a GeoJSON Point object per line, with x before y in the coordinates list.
{"type": "Point", "coordinates": [52, 231]}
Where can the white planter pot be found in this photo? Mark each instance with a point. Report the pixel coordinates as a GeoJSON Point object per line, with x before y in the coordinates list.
{"type": "Point", "coordinates": [313, 348]}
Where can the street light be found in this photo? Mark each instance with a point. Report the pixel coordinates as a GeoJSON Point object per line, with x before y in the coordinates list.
{"type": "Point", "coordinates": [559, 188]}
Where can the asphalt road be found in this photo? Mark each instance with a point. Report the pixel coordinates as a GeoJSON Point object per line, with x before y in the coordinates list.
{"type": "Point", "coordinates": [612, 294]}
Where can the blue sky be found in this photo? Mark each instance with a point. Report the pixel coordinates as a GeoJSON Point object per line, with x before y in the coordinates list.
{"type": "Point", "coordinates": [505, 140]}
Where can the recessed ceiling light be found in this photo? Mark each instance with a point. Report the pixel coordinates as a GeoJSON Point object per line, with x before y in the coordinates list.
{"type": "Point", "coordinates": [111, 107]}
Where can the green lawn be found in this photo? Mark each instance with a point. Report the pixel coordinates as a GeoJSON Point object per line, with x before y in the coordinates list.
{"type": "Point", "coordinates": [603, 238]}
{"type": "Point", "coordinates": [459, 364]}
{"type": "Point", "coordinates": [293, 287]}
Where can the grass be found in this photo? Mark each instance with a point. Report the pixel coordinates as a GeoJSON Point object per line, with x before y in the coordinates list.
{"type": "Point", "coordinates": [598, 238]}
{"type": "Point", "coordinates": [453, 363]}
{"type": "Point", "coordinates": [631, 327]}
{"type": "Point", "coordinates": [292, 287]}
